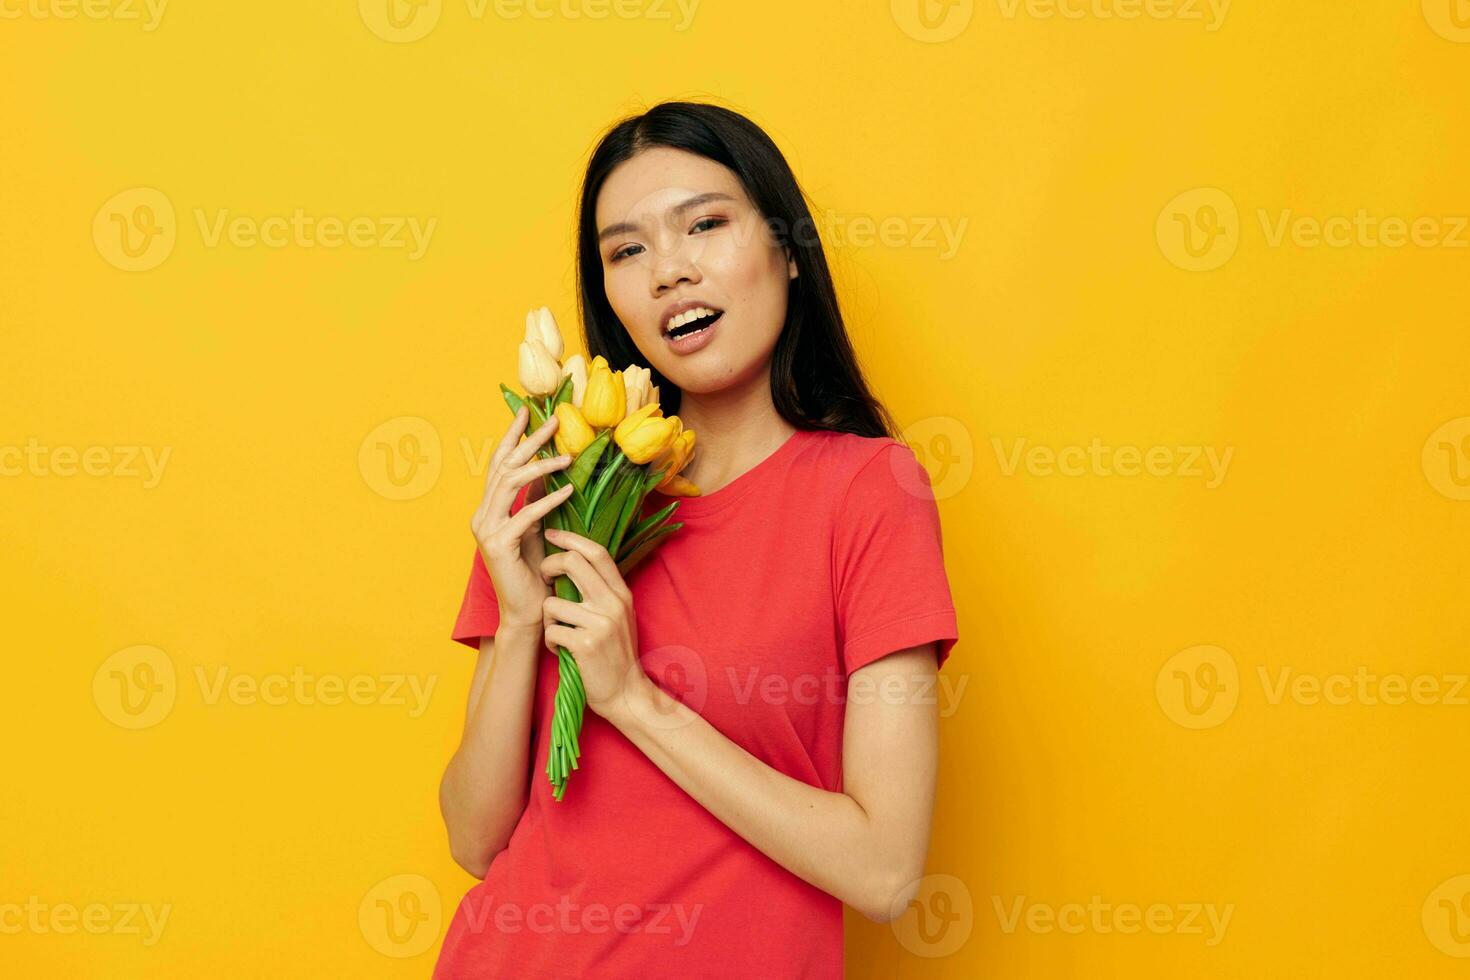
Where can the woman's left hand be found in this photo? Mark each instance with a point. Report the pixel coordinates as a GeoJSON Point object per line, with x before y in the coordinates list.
{"type": "Point", "coordinates": [601, 631]}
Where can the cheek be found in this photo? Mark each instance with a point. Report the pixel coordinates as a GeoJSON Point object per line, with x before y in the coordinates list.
{"type": "Point", "coordinates": [627, 294]}
{"type": "Point", "coordinates": [758, 282]}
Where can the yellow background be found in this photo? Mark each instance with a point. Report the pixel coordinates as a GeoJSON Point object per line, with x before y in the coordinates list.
{"type": "Point", "coordinates": [1075, 761]}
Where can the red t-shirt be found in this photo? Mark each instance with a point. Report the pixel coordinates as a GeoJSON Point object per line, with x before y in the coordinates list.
{"type": "Point", "coordinates": [823, 557]}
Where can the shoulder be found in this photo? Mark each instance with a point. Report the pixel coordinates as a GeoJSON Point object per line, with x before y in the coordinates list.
{"type": "Point", "coordinates": [846, 465]}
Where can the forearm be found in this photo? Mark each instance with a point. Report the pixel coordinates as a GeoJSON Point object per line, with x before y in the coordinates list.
{"type": "Point", "coordinates": [825, 838]}
{"type": "Point", "coordinates": [484, 789]}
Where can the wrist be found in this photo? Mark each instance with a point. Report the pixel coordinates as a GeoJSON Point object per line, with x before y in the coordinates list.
{"type": "Point", "coordinates": [633, 704]}
{"type": "Point", "coordinates": [518, 634]}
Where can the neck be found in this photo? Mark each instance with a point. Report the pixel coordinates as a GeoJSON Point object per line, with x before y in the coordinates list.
{"type": "Point", "coordinates": [735, 428]}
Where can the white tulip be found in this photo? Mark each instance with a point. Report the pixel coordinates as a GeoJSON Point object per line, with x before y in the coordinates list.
{"type": "Point", "coordinates": [541, 325]}
{"type": "Point", "coordinates": [576, 366]}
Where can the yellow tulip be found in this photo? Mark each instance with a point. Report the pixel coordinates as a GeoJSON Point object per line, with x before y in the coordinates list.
{"type": "Point", "coordinates": [541, 325]}
{"type": "Point", "coordinates": [643, 436]}
{"type": "Point", "coordinates": [636, 383]}
{"type": "Point", "coordinates": [681, 448]}
{"type": "Point", "coordinates": [677, 486]}
{"type": "Point", "coordinates": [540, 374]}
{"type": "Point", "coordinates": [576, 366]}
{"type": "Point", "coordinates": [573, 434]}
{"type": "Point", "coordinates": [603, 406]}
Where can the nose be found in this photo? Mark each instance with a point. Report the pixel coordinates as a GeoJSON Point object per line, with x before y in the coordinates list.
{"type": "Point", "coordinates": [674, 264]}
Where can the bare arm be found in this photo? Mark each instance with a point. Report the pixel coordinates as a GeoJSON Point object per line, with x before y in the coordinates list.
{"type": "Point", "coordinates": [484, 789]}
{"type": "Point", "coordinates": [866, 845]}
{"type": "Point", "coordinates": [485, 786]}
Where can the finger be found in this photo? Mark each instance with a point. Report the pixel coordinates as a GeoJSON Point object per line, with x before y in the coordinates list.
{"type": "Point", "coordinates": [566, 636]}
{"type": "Point", "coordinates": [532, 512]}
{"type": "Point", "coordinates": [580, 571]}
{"type": "Point", "coordinates": [507, 443]}
{"type": "Point", "coordinates": [532, 444]}
{"type": "Point", "coordinates": [511, 437]}
{"type": "Point", "coordinates": [571, 613]}
{"type": "Point", "coordinates": [597, 556]}
{"type": "Point", "coordinates": [503, 495]}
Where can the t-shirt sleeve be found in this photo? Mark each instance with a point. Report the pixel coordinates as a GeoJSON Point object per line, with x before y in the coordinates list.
{"type": "Point", "coordinates": [479, 613]}
{"type": "Point", "coordinates": [888, 563]}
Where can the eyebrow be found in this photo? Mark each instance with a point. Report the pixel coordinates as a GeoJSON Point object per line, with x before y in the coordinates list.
{"type": "Point", "coordinates": [677, 209]}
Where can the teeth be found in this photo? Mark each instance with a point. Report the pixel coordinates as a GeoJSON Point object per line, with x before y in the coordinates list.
{"type": "Point", "coordinates": [687, 315]}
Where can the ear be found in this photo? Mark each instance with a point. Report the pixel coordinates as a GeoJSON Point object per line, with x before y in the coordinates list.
{"type": "Point", "coordinates": [790, 267]}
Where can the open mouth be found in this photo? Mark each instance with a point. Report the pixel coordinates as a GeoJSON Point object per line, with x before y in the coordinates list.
{"type": "Point", "coordinates": [694, 326]}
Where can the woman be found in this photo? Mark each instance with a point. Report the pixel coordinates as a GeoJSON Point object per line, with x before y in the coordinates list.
{"type": "Point", "coordinates": [761, 745]}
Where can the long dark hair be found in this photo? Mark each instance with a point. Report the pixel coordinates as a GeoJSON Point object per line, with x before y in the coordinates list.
{"type": "Point", "coordinates": [816, 382]}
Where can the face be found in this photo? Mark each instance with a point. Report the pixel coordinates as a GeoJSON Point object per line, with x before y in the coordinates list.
{"type": "Point", "coordinates": [677, 231]}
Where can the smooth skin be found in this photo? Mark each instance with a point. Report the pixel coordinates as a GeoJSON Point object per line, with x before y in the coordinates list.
{"type": "Point", "coordinates": [867, 844]}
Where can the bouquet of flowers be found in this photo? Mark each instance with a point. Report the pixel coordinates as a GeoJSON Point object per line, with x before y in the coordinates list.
{"type": "Point", "coordinates": [622, 448]}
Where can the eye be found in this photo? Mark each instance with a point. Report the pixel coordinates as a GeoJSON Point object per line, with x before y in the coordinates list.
{"type": "Point", "coordinates": [705, 224]}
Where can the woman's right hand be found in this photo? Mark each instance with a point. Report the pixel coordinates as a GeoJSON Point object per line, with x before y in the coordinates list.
{"type": "Point", "coordinates": [511, 544]}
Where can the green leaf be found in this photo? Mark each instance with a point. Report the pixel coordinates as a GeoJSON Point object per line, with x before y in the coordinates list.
{"type": "Point", "coordinates": [511, 398]}
{"type": "Point", "coordinates": [610, 473]}
{"type": "Point", "coordinates": [626, 565]}
{"type": "Point", "coordinates": [610, 510]}
{"type": "Point", "coordinates": [575, 522]}
{"type": "Point", "coordinates": [563, 392]}
{"type": "Point", "coordinates": [586, 462]}
{"type": "Point", "coordinates": [631, 506]}
{"type": "Point", "coordinates": [655, 478]}
{"type": "Point", "coordinates": [538, 413]}
{"type": "Point", "coordinates": [644, 527]}
{"type": "Point", "coordinates": [567, 589]}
